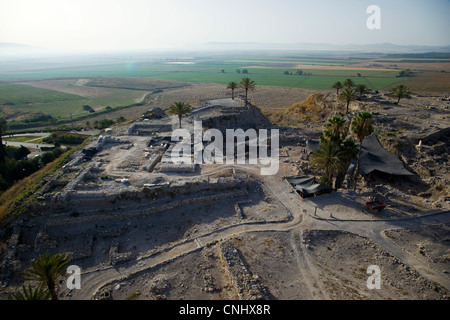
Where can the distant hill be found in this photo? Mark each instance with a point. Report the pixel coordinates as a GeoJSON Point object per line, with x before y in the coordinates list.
{"type": "Point", "coordinates": [386, 48]}
{"type": "Point", "coordinates": [426, 55]}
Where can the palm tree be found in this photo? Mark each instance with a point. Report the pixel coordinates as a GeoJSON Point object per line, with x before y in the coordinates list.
{"type": "Point", "coordinates": [338, 86]}
{"type": "Point", "coordinates": [401, 91]}
{"type": "Point", "coordinates": [247, 84]}
{"type": "Point", "coordinates": [30, 293]}
{"type": "Point", "coordinates": [327, 160]}
{"type": "Point", "coordinates": [335, 129]}
{"type": "Point", "coordinates": [361, 126]}
{"type": "Point", "coordinates": [349, 83]}
{"type": "Point", "coordinates": [348, 95]}
{"type": "Point", "coordinates": [179, 109]}
{"type": "Point", "coordinates": [347, 152]}
{"type": "Point", "coordinates": [232, 85]}
{"type": "Point", "coordinates": [47, 269]}
{"type": "Point", "coordinates": [362, 89]}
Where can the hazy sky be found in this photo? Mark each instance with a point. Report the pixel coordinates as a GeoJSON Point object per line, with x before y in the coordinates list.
{"type": "Point", "coordinates": [138, 24]}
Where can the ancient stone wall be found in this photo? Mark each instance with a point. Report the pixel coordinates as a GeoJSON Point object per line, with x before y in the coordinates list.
{"type": "Point", "coordinates": [248, 285]}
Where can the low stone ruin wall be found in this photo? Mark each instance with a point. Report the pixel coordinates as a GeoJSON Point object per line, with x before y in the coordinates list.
{"type": "Point", "coordinates": [248, 285]}
{"type": "Point", "coordinates": [144, 129]}
{"type": "Point", "coordinates": [191, 191]}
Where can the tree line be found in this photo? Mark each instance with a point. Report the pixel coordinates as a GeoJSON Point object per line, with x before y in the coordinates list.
{"type": "Point", "coordinates": [350, 90]}
{"type": "Point", "coordinates": [17, 167]}
{"type": "Point", "coordinates": [14, 165]}
{"type": "Point", "coordinates": [337, 150]}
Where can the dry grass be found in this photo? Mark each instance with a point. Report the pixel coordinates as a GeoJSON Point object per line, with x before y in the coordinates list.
{"type": "Point", "coordinates": [10, 197]}
{"type": "Point", "coordinates": [68, 86]}
{"type": "Point", "coordinates": [313, 109]}
{"type": "Point", "coordinates": [12, 200]}
{"type": "Point", "coordinates": [430, 82]}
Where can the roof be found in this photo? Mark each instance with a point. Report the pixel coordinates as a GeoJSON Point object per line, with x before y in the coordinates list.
{"type": "Point", "coordinates": [375, 158]}
{"type": "Point", "coordinates": [157, 111]}
{"type": "Point", "coordinates": [307, 186]}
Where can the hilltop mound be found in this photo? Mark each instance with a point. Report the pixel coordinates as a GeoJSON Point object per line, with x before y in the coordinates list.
{"type": "Point", "coordinates": [317, 107]}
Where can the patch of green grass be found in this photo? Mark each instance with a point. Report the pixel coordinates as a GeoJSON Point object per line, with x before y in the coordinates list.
{"type": "Point", "coordinates": [320, 79]}
{"type": "Point", "coordinates": [21, 196]}
{"type": "Point", "coordinates": [27, 99]}
{"type": "Point", "coordinates": [265, 70]}
{"type": "Point", "coordinates": [21, 138]}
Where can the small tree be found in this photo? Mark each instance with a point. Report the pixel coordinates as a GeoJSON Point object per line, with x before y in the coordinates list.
{"type": "Point", "coordinates": [362, 89]}
{"type": "Point", "coordinates": [247, 84]}
{"type": "Point", "coordinates": [338, 86]}
{"type": "Point", "coordinates": [349, 83]}
{"type": "Point", "coordinates": [401, 91]}
{"type": "Point", "coordinates": [120, 119]}
{"type": "Point", "coordinates": [47, 269]}
{"type": "Point", "coordinates": [327, 160]}
{"type": "Point", "coordinates": [179, 109]}
{"type": "Point", "coordinates": [348, 95]}
{"type": "Point", "coordinates": [31, 293]}
{"type": "Point", "coordinates": [335, 132]}
{"type": "Point", "coordinates": [232, 85]}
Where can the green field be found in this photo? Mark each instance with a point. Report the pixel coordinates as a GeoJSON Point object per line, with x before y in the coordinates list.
{"type": "Point", "coordinates": [319, 79]}
{"type": "Point", "coordinates": [266, 71]}
{"type": "Point", "coordinates": [123, 82]}
{"type": "Point", "coordinates": [26, 103]}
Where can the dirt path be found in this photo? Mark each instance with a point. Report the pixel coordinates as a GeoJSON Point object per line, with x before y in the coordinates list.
{"type": "Point", "coordinates": [306, 267]}
{"type": "Point", "coordinates": [374, 230]}
{"type": "Point", "coordinates": [95, 279]}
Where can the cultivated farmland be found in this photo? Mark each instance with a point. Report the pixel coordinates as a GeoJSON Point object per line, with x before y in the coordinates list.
{"type": "Point", "coordinates": [57, 94]}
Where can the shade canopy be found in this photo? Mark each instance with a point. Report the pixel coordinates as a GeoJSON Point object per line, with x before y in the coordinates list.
{"type": "Point", "coordinates": [307, 186]}
{"type": "Point", "coordinates": [376, 158]}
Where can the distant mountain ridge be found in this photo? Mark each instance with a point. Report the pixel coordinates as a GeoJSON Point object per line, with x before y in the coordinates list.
{"type": "Point", "coordinates": [16, 50]}
{"type": "Point", "coordinates": [379, 47]}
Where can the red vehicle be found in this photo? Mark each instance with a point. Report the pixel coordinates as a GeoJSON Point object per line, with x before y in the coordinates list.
{"type": "Point", "coordinates": [375, 205]}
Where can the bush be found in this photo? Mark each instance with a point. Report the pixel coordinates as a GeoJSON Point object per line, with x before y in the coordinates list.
{"type": "Point", "coordinates": [88, 108]}
{"type": "Point", "coordinates": [12, 170]}
{"type": "Point", "coordinates": [105, 123]}
{"type": "Point", "coordinates": [66, 138]}
{"type": "Point", "coordinates": [47, 157]}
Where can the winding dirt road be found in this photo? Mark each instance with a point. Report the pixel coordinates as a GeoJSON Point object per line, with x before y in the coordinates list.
{"type": "Point", "coordinates": [94, 279]}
